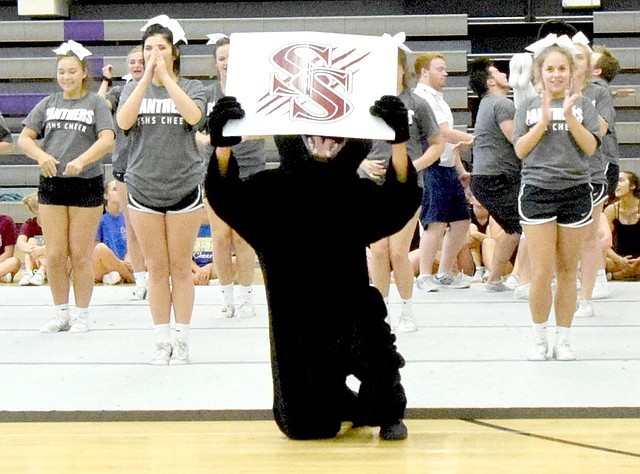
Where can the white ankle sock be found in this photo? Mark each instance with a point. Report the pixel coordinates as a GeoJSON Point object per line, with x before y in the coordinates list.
{"type": "Point", "coordinates": [246, 293]}
{"type": "Point", "coordinates": [540, 332]}
{"type": "Point", "coordinates": [163, 333]}
{"type": "Point", "coordinates": [227, 293]}
{"type": "Point", "coordinates": [562, 334]}
{"type": "Point", "coordinates": [181, 332]}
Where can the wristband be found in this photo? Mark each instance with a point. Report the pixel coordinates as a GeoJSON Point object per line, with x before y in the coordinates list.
{"type": "Point", "coordinates": [108, 79]}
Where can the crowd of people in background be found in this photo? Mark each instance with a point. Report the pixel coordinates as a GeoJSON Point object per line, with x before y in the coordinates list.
{"type": "Point", "coordinates": [543, 175]}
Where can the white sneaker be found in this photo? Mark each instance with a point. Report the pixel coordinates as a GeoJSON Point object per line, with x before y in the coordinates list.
{"type": "Point", "coordinates": [585, 309]}
{"type": "Point", "coordinates": [478, 275]}
{"type": "Point", "coordinates": [521, 292]}
{"type": "Point", "coordinates": [246, 310]}
{"type": "Point", "coordinates": [26, 279]}
{"type": "Point", "coordinates": [139, 293]}
{"type": "Point", "coordinates": [37, 279]}
{"type": "Point", "coordinates": [8, 278]}
{"type": "Point", "coordinates": [496, 286]}
{"type": "Point", "coordinates": [79, 324]}
{"type": "Point", "coordinates": [179, 353]}
{"type": "Point", "coordinates": [111, 278]}
{"type": "Point", "coordinates": [563, 352]}
{"type": "Point", "coordinates": [228, 311]}
{"type": "Point", "coordinates": [407, 323]}
{"type": "Point", "coordinates": [601, 290]}
{"type": "Point", "coordinates": [162, 354]}
{"type": "Point", "coordinates": [426, 283]}
{"type": "Point", "coordinates": [450, 281]}
{"type": "Point", "coordinates": [538, 351]}
{"type": "Point", "coordinates": [60, 322]}
{"type": "Point", "coordinates": [511, 281]}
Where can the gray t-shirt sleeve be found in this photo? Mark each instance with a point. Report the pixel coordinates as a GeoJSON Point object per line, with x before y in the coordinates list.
{"type": "Point", "coordinates": [113, 96]}
{"type": "Point", "coordinates": [504, 110]}
{"type": "Point", "coordinates": [35, 119]}
{"type": "Point", "coordinates": [104, 116]}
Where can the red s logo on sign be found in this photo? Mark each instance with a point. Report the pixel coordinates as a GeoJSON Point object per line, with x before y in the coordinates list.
{"type": "Point", "coordinates": [313, 81]}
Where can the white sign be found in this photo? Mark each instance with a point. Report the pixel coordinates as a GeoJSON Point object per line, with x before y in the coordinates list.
{"type": "Point", "coordinates": [294, 83]}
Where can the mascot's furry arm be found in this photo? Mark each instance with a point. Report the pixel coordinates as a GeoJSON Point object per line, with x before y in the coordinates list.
{"type": "Point", "coordinates": [520, 68]}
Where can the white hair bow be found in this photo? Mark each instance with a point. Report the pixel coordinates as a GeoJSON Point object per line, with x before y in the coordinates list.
{"type": "Point", "coordinates": [563, 41]}
{"type": "Point", "coordinates": [173, 26]}
{"type": "Point", "coordinates": [399, 40]}
{"type": "Point", "coordinates": [76, 48]}
{"type": "Point", "coordinates": [581, 38]}
{"type": "Point", "coordinates": [215, 37]}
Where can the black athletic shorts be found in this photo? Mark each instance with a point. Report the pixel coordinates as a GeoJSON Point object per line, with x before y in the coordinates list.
{"type": "Point", "coordinates": [571, 207]}
{"type": "Point", "coordinates": [72, 191]}
{"type": "Point", "coordinates": [499, 195]}
{"type": "Point", "coordinates": [599, 193]}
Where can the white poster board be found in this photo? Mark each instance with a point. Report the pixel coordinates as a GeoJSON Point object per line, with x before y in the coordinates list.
{"type": "Point", "coordinates": [292, 83]}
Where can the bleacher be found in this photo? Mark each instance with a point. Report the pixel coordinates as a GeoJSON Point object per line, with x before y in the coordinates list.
{"type": "Point", "coordinates": [27, 64]}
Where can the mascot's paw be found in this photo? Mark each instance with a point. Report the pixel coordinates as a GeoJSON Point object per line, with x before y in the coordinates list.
{"type": "Point", "coordinates": [225, 109]}
{"type": "Point", "coordinates": [392, 110]}
{"type": "Point", "coordinates": [395, 432]}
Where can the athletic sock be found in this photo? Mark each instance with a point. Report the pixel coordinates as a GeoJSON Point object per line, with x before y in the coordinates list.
{"type": "Point", "coordinates": [163, 333]}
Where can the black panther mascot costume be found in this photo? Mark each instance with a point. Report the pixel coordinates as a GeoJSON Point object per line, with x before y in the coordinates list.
{"type": "Point", "coordinates": [310, 222]}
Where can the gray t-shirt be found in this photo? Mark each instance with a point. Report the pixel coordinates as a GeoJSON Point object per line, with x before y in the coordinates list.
{"type": "Point", "coordinates": [556, 162]}
{"type": "Point", "coordinates": [493, 154]}
{"type": "Point", "coordinates": [609, 147]}
{"type": "Point", "coordinates": [422, 125]}
{"type": "Point", "coordinates": [164, 163]}
{"type": "Point", "coordinates": [5, 133]}
{"type": "Point", "coordinates": [120, 153]}
{"type": "Point", "coordinates": [70, 127]}
{"type": "Point", "coordinates": [603, 103]}
{"type": "Point", "coordinates": [249, 154]}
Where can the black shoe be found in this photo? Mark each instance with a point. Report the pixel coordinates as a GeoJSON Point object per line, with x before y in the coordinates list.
{"type": "Point", "coordinates": [395, 432]}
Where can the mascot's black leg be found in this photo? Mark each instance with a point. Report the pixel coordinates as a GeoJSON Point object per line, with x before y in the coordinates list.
{"type": "Point", "coordinates": [306, 392]}
{"type": "Point", "coordinates": [377, 365]}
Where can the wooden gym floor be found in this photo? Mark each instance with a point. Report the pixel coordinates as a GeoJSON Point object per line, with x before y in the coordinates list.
{"type": "Point", "coordinates": [91, 403]}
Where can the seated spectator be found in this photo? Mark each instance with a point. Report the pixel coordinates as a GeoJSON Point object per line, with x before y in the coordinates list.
{"type": "Point", "coordinates": [31, 243]}
{"type": "Point", "coordinates": [480, 221]}
{"type": "Point", "coordinates": [623, 258]}
{"type": "Point", "coordinates": [463, 266]}
{"type": "Point", "coordinates": [9, 264]}
{"type": "Point", "coordinates": [110, 262]}
{"type": "Point", "coordinates": [202, 264]}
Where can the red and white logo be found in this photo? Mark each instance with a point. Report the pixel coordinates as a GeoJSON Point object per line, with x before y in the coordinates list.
{"type": "Point", "coordinates": [312, 82]}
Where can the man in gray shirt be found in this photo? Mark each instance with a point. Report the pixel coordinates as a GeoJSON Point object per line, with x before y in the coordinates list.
{"type": "Point", "coordinates": [495, 179]}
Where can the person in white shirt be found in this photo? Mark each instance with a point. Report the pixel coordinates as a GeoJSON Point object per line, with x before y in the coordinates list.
{"type": "Point", "coordinates": [444, 203]}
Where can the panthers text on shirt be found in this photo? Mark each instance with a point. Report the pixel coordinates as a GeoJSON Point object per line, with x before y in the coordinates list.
{"type": "Point", "coordinates": [558, 122]}
{"type": "Point", "coordinates": [68, 119]}
{"type": "Point", "coordinates": [162, 111]}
